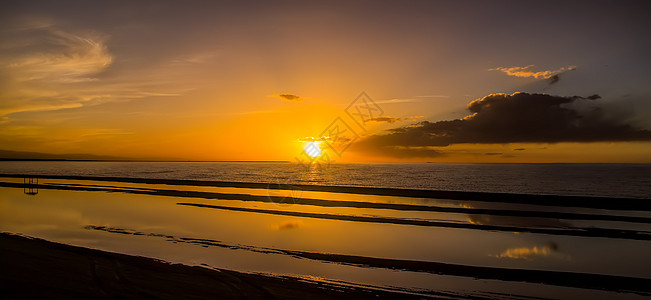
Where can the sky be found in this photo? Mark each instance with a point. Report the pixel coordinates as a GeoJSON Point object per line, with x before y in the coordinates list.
{"type": "Point", "coordinates": [363, 81]}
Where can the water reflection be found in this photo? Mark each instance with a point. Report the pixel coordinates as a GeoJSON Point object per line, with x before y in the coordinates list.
{"type": "Point", "coordinates": [366, 241]}
{"type": "Point", "coordinates": [314, 173]}
{"type": "Point", "coordinates": [518, 221]}
{"type": "Point", "coordinates": [530, 253]}
{"type": "Point", "coordinates": [615, 283]}
{"type": "Point", "coordinates": [286, 225]}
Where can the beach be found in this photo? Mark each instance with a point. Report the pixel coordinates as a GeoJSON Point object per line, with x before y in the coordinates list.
{"type": "Point", "coordinates": [35, 268]}
{"type": "Point", "coordinates": [133, 237]}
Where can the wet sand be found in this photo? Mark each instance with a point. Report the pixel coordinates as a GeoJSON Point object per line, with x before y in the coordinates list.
{"type": "Point", "coordinates": [640, 286]}
{"type": "Point", "coordinates": [567, 201]}
{"type": "Point", "coordinates": [73, 272]}
{"type": "Point", "coordinates": [32, 268]}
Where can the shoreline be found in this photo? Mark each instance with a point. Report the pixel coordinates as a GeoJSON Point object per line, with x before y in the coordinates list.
{"type": "Point", "coordinates": [36, 268]}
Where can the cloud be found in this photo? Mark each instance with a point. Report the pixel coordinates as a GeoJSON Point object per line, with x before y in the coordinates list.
{"type": "Point", "coordinates": [398, 151]}
{"type": "Point", "coordinates": [288, 97]}
{"type": "Point", "coordinates": [309, 139]}
{"type": "Point", "coordinates": [44, 68]}
{"type": "Point", "coordinates": [529, 71]}
{"type": "Point", "coordinates": [502, 119]}
{"type": "Point", "coordinates": [57, 56]}
{"type": "Point", "coordinates": [41, 63]}
{"type": "Point", "coordinates": [396, 100]}
{"type": "Point", "coordinates": [260, 112]}
{"type": "Point", "coordinates": [195, 58]}
{"type": "Point", "coordinates": [410, 100]}
{"type": "Point", "coordinates": [433, 96]}
{"type": "Point", "coordinates": [383, 120]}
{"type": "Point", "coordinates": [388, 119]}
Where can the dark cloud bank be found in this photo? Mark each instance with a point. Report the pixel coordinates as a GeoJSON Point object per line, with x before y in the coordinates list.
{"type": "Point", "coordinates": [501, 119]}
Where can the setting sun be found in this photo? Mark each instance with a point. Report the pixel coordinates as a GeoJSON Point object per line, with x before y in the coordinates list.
{"type": "Point", "coordinates": [313, 149]}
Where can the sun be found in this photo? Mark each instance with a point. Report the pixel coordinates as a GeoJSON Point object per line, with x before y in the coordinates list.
{"type": "Point", "coordinates": [313, 149]}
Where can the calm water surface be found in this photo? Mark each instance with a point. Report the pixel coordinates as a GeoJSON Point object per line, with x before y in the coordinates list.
{"type": "Point", "coordinates": [383, 241]}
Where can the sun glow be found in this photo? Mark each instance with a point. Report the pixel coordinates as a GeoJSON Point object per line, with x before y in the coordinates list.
{"type": "Point", "coordinates": [313, 149]}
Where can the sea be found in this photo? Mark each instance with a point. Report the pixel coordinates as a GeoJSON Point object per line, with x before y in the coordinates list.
{"type": "Point", "coordinates": [567, 231]}
{"type": "Point", "coordinates": [606, 180]}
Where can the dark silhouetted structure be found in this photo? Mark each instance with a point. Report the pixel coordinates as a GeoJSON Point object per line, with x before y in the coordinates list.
{"type": "Point", "coordinates": [31, 186]}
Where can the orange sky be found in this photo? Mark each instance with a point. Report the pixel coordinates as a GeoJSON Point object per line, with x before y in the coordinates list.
{"type": "Point", "coordinates": [167, 81]}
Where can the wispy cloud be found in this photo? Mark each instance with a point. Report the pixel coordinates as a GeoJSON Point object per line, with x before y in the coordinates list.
{"type": "Point", "coordinates": [530, 71]}
{"type": "Point", "coordinates": [58, 56]}
{"type": "Point", "coordinates": [96, 132]}
{"type": "Point", "coordinates": [397, 100]}
{"type": "Point", "coordinates": [260, 112]}
{"type": "Point", "coordinates": [433, 96]}
{"type": "Point", "coordinates": [387, 119]}
{"type": "Point", "coordinates": [410, 100]}
{"type": "Point", "coordinates": [41, 61]}
{"type": "Point", "coordinates": [195, 58]}
{"type": "Point", "coordinates": [309, 139]}
{"type": "Point", "coordinates": [48, 68]}
{"type": "Point", "coordinates": [288, 97]}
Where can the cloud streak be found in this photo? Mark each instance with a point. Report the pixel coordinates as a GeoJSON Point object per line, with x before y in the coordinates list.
{"type": "Point", "coordinates": [387, 119]}
{"type": "Point", "coordinates": [57, 56]}
{"type": "Point", "coordinates": [383, 120]}
{"type": "Point", "coordinates": [530, 72]}
{"type": "Point", "coordinates": [39, 61]}
{"type": "Point", "coordinates": [503, 119]}
{"type": "Point", "coordinates": [46, 68]}
{"type": "Point", "coordinates": [288, 97]}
